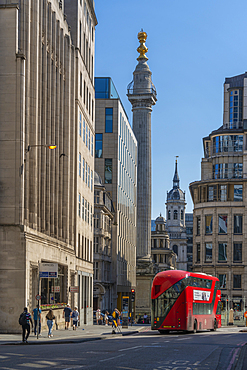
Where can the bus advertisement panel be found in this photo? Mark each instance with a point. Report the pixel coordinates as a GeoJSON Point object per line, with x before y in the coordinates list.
{"type": "Point", "coordinates": [185, 301]}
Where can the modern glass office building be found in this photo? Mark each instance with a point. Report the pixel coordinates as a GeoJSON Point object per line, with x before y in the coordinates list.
{"type": "Point", "coordinates": [220, 206]}
{"type": "Point", "coordinates": [116, 163]}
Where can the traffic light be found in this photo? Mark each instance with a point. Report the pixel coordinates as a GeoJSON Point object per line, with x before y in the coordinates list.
{"type": "Point", "coordinates": [132, 295]}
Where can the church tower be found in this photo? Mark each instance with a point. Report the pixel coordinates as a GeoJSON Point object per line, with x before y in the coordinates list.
{"type": "Point", "coordinates": [142, 96]}
{"type": "Point", "coordinates": [175, 208]}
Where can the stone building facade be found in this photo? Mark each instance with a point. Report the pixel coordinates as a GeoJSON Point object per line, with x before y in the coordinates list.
{"type": "Point", "coordinates": [175, 221]}
{"type": "Point", "coordinates": [103, 218]}
{"type": "Point", "coordinates": [164, 257]}
{"type": "Point", "coordinates": [46, 80]}
{"type": "Point", "coordinates": [220, 205]}
{"type": "Point", "coordinates": [116, 163]}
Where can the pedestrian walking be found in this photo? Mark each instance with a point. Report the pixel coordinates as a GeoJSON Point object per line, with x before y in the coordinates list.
{"type": "Point", "coordinates": [98, 315]}
{"type": "Point", "coordinates": [145, 318]}
{"type": "Point", "coordinates": [75, 317]}
{"type": "Point", "coordinates": [24, 320]}
{"type": "Point", "coordinates": [67, 315]}
{"type": "Point", "coordinates": [36, 314]}
{"type": "Point", "coordinates": [106, 318]}
{"type": "Point", "coordinates": [50, 317]}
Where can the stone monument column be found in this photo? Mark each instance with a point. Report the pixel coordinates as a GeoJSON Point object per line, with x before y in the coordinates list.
{"type": "Point", "coordinates": [142, 95]}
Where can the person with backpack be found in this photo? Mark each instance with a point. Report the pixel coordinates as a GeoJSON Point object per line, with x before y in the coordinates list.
{"type": "Point", "coordinates": [24, 320]}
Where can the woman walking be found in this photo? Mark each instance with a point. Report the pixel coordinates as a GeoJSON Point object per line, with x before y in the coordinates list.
{"type": "Point", "coordinates": [106, 318]}
{"type": "Point", "coordinates": [50, 317]}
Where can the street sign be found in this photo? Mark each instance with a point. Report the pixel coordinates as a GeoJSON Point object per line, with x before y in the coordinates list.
{"type": "Point", "coordinates": [57, 289]}
{"type": "Point", "coordinates": [74, 289]}
{"type": "Point", "coordinates": [48, 270]}
{"type": "Point", "coordinates": [38, 297]}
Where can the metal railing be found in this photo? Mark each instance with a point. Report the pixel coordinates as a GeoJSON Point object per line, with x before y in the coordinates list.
{"type": "Point", "coordinates": [233, 125]}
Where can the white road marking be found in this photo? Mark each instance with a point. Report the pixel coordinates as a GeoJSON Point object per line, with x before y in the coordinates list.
{"type": "Point", "coordinates": [111, 358]}
{"type": "Point", "coordinates": [126, 349]}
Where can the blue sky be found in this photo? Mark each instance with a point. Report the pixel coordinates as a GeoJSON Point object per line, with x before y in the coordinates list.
{"type": "Point", "coordinates": [193, 45]}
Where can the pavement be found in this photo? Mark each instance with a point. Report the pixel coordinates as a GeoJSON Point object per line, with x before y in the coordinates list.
{"type": "Point", "coordinates": [81, 334]}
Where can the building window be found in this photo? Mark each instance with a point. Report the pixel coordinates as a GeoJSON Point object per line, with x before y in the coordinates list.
{"type": "Point", "coordinates": [98, 145]}
{"type": "Point", "coordinates": [48, 296]}
{"type": "Point", "coordinates": [86, 135]}
{"type": "Point", "coordinates": [96, 197]}
{"type": "Point", "coordinates": [182, 214]}
{"type": "Point", "coordinates": [108, 170]}
{"type": "Point", "coordinates": [80, 164]}
{"type": "Point", "coordinates": [83, 169]}
{"type": "Point", "coordinates": [210, 193]}
{"type": "Point", "coordinates": [91, 217]}
{"type": "Point", "coordinates": [222, 224]}
{"type": "Point", "coordinates": [198, 225]}
{"type": "Point", "coordinates": [175, 214]}
{"type": "Point", "coordinates": [222, 256]}
{"type": "Point", "coordinates": [238, 222]}
{"type": "Point", "coordinates": [236, 281]}
{"type": "Point", "coordinates": [79, 205]}
{"type": "Point", "coordinates": [198, 252]}
{"type": "Point", "coordinates": [96, 244]}
{"type": "Point", "coordinates": [88, 176]}
{"type": "Point", "coordinates": [169, 215]}
{"type": "Point", "coordinates": [108, 119]}
{"type": "Point", "coordinates": [89, 140]}
{"type": "Point", "coordinates": [222, 279]}
{"type": "Point", "coordinates": [80, 123]}
{"type": "Point", "coordinates": [80, 81]}
{"type": "Point", "coordinates": [96, 221]}
{"type": "Point", "coordinates": [84, 91]}
{"type": "Point", "coordinates": [96, 270]}
{"type": "Point", "coordinates": [236, 108]}
{"type": "Point", "coordinates": [84, 127]}
{"type": "Point", "coordinates": [92, 145]}
{"type": "Point", "coordinates": [208, 252]}
{"type": "Point", "coordinates": [223, 193]}
{"type": "Point", "coordinates": [82, 209]}
{"type": "Point", "coordinates": [175, 249]}
{"type": "Point", "coordinates": [237, 252]}
{"type": "Point", "coordinates": [91, 180]}
{"type": "Point", "coordinates": [238, 193]}
{"type": "Point", "coordinates": [209, 224]}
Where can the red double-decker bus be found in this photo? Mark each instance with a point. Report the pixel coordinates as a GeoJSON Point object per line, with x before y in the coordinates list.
{"type": "Point", "coordinates": [185, 301]}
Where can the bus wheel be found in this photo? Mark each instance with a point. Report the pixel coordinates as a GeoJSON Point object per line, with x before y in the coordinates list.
{"type": "Point", "coordinates": [195, 327]}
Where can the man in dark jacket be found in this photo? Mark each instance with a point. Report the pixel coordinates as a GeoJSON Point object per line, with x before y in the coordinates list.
{"type": "Point", "coordinates": [26, 325]}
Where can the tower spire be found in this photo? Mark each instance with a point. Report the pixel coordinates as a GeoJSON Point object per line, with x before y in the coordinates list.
{"type": "Point", "coordinates": [176, 177]}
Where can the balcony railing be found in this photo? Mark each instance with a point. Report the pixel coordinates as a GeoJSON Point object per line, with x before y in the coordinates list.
{"type": "Point", "coordinates": [233, 125]}
{"type": "Point", "coordinates": [134, 91]}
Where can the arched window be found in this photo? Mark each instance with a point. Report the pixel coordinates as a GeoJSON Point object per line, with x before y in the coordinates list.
{"type": "Point", "coordinates": [169, 215]}
{"type": "Point", "coordinates": [175, 249]}
{"type": "Point", "coordinates": [182, 214]}
{"type": "Point", "coordinates": [175, 214]}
